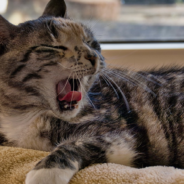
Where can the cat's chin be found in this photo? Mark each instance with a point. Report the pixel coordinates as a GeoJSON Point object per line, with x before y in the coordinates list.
{"type": "Point", "coordinates": [67, 115]}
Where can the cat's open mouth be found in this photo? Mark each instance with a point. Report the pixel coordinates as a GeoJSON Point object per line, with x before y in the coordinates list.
{"type": "Point", "coordinates": [68, 94]}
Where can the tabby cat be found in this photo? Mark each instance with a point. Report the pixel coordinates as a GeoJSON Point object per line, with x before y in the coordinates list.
{"type": "Point", "coordinates": [57, 95]}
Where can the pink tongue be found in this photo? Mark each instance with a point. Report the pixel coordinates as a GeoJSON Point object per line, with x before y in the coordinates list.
{"type": "Point", "coordinates": [72, 96]}
{"type": "Point", "coordinates": [65, 94]}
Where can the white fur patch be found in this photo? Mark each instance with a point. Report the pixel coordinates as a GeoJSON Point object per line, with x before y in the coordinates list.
{"type": "Point", "coordinates": [49, 176]}
{"type": "Point", "coordinates": [121, 153]}
{"type": "Point", "coordinates": [24, 131]}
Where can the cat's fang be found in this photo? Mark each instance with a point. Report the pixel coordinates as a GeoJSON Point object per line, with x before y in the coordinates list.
{"type": "Point", "coordinates": [68, 105]}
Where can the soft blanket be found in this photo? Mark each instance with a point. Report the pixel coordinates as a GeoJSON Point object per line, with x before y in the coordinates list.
{"type": "Point", "coordinates": [16, 162]}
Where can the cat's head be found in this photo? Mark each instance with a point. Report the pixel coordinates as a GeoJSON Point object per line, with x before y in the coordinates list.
{"type": "Point", "coordinates": [44, 60]}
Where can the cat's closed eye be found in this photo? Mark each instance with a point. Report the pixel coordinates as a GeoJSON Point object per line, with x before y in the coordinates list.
{"type": "Point", "coordinates": [55, 47]}
{"type": "Point", "coordinates": [49, 48]}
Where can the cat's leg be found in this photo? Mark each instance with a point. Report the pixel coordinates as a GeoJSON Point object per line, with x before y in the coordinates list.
{"type": "Point", "coordinates": [73, 155]}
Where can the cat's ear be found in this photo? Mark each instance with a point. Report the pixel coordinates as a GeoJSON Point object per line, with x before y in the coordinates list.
{"type": "Point", "coordinates": [56, 8]}
{"type": "Point", "coordinates": [7, 32]}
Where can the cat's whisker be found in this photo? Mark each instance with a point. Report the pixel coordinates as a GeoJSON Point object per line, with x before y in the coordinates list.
{"type": "Point", "coordinates": [119, 76]}
{"type": "Point", "coordinates": [138, 82]}
{"type": "Point", "coordinates": [72, 90]}
{"type": "Point", "coordinates": [64, 66]}
{"type": "Point", "coordinates": [80, 85]}
{"type": "Point", "coordinates": [87, 95]}
{"type": "Point", "coordinates": [123, 95]}
{"type": "Point", "coordinates": [105, 78]}
{"type": "Point", "coordinates": [100, 82]}
{"type": "Point", "coordinates": [142, 84]}
{"type": "Point", "coordinates": [137, 73]}
{"type": "Point", "coordinates": [65, 84]}
{"type": "Point", "coordinates": [158, 82]}
{"type": "Point", "coordinates": [148, 79]}
{"type": "Point", "coordinates": [92, 104]}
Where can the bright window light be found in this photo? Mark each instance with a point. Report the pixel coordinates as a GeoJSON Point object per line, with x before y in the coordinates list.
{"type": "Point", "coordinates": [3, 6]}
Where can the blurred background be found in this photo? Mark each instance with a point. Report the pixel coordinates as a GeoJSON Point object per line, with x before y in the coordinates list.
{"type": "Point", "coordinates": [112, 20]}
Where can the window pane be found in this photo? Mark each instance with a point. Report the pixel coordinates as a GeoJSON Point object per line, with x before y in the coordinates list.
{"type": "Point", "coordinates": [113, 20]}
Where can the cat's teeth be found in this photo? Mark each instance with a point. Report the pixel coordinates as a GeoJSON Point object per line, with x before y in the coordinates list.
{"type": "Point", "coordinates": [66, 106]}
{"type": "Point", "coordinates": [72, 105]}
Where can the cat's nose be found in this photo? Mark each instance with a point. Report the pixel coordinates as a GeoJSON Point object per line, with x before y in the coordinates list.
{"type": "Point", "coordinates": [92, 58]}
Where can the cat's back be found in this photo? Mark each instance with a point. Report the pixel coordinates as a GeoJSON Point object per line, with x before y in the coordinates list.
{"type": "Point", "coordinates": [147, 104]}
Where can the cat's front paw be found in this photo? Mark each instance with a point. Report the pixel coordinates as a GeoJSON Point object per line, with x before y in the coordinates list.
{"type": "Point", "coordinates": [49, 176]}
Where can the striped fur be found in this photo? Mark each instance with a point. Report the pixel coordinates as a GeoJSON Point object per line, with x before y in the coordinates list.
{"type": "Point", "coordinates": [124, 117]}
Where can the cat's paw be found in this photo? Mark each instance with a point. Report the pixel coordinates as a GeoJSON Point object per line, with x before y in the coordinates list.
{"type": "Point", "coordinates": [49, 176]}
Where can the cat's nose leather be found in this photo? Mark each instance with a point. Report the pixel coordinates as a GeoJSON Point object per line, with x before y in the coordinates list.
{"type": "Point", "coordinates": [92, 58]}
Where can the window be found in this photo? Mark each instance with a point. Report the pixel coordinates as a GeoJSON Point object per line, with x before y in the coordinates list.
{"type": "Point", "coordinates": [113, 20]}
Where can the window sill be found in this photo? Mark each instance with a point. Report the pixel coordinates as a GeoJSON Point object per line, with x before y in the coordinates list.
{"type": "Point", "coordinates": [142, 46]}
{"type": "Point", "coordinates": [144, 56]}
